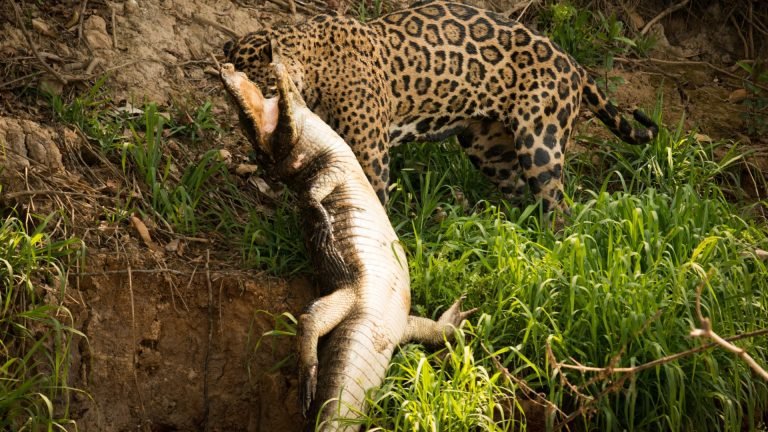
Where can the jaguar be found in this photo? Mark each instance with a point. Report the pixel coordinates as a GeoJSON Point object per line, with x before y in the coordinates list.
{"type": "Point", "coordinates": [435, 70]}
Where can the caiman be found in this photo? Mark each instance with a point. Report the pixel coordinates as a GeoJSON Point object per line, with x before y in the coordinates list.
{"type": "Point", "coordinates": [359, 262]}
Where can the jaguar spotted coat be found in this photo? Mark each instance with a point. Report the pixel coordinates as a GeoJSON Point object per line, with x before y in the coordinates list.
{"type": "Point", "coordinates": [439, 69]}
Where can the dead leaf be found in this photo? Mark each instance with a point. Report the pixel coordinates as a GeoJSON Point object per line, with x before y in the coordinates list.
{"type": "Point", "coordinates": [263, 187]}
{"type": "Point", "coordinates": [758, 253]}
{"type": "Point", "coordinates": [225, 155]}
{"type": "Point", "coordinates": [738, 95]}
{"type": "Point", "coordinates": [143, 232]}
{"type": "Point", "coordinates": [175, 246]}
{"type": "Point", "coordinates": [636, 20]}
{"type": "Point", "coordinates": [245, 169]}
{"type": "Point", "coordinates": [702, 138]}
{"type": "Point", "coordinates": [42, 27]}
{"type": "Point", "coordinates": [50, 85]}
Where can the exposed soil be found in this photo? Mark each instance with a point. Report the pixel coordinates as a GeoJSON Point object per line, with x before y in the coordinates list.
{"type": "Point", "coordinates": [171, 336]}
{"type": "Point", "coordinates": [169, 352]}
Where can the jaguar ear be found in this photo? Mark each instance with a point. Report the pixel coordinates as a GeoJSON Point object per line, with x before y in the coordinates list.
{"type": "Point", "coordinates": [228, 46]}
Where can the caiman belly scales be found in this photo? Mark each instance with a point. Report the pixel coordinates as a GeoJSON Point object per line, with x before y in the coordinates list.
{"type": "Point", "coordinates": [358, 260]}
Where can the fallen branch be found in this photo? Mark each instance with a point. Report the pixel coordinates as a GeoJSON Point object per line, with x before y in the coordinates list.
{"type": "Point", "coordinates": [222, 28]}
{"type": "Point", "coordinates": [667, 359]}
{"type": "Point", "coordinates": [305, 8]}
{"type": "Point", "coordinates": [689, 62]}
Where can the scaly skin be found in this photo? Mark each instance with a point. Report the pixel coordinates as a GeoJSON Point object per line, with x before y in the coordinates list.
{"type": "Point", "coordinates": [357, 256]}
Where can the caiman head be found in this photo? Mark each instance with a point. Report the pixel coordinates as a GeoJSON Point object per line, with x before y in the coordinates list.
{"type": "Point", "coordinates": [269, 123]}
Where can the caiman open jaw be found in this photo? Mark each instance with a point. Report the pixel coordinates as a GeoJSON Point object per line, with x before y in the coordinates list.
{"type": "Point", "coordinates": [261, 114]}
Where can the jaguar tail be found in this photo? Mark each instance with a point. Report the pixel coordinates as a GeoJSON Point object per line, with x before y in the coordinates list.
{"type": "Point", "coordinates": [610, 116]}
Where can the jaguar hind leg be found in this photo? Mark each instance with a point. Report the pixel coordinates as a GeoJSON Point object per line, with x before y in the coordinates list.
{"type": "Point", "coordinates": [490, 146]}
{"type": "Point", "coordinates": [540, 147]}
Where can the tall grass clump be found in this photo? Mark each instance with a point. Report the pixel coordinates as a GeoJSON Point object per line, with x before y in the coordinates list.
{"type": "Point", "coordinates": [35, 348]}
{"type": "Point", "coordinates": [176, 199]}
{"type": "Point", "coordinates": [616, 287]}
{"type": "Point", "coordinates": [181, 186]}
{"type": "Point", "coordinates": [673, 159]}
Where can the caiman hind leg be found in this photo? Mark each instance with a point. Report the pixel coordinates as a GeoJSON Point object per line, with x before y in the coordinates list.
{"type": "Point", "coordinates": [317, 320]}
{"type": "Point", "coordinates": [433, 333]}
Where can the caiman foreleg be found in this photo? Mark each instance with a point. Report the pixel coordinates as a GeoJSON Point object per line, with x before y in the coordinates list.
{"type": "Point", "coordinates": [317, 320]}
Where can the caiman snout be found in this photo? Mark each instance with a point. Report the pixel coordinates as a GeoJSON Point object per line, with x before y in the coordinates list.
{"type": "Point", "coordinates": [258, 115]}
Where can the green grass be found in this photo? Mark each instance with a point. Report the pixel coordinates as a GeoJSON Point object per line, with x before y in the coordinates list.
{"type": "Point", "coordinates": [616, 285]}
{"type": "Point", "coordinates": [188, 189]}
{"type": "Point", "coordinates": [37, 329]}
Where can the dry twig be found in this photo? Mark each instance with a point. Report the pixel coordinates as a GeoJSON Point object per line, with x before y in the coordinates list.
{"type": "Point", "coordinates": [519, 7]}
{"type": "Point", "coordinates": [707, 332]}
{"type": "Point", "coordinates": [133, 342]}
{"type": "Point", "coordinates": [32, 46]}
{"type": "Point", "coordinates": [530, 393]}
{"type": "Point", "coordinates": [114, 27]}
{"type": "Point", "coordinates": [210, 339]}
{"type": "Point", "coordinates": [744, 43]}
{"type": "Point", "coordinates": [628, 372]}
{"type": "Point", "coordinates": [663, 13]}
{"type": "Point", "coordinates": [83, 6]}
{"type": "Point", "coordinates": [215, 61]}
{"type": "Point", "coordinates": [292, 7]}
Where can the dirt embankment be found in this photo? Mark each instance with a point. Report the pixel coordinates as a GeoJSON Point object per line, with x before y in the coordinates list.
{"type": "Point", "coordinates": [177, 352]}
{"type": "Point", "coordinates": [171, 336]}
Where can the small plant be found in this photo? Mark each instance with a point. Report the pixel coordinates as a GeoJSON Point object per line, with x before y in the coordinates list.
{"type": "Point", "coordinates": [756, 103]}
{"type": "Point", "coordinates": [90, 113]}
{"type": "Point", "coordinates": [591, 38]}
{"type": "Point", "coordinates": [274, 241]}
{"type": "Point", "coordinates": [194, 125]}
{"type": "Point", "coordinates": [284, 327]}
{"type": "Point", "coordinates": [451, 390]}
{"type": "Point", "coordinates": [369, 9]}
